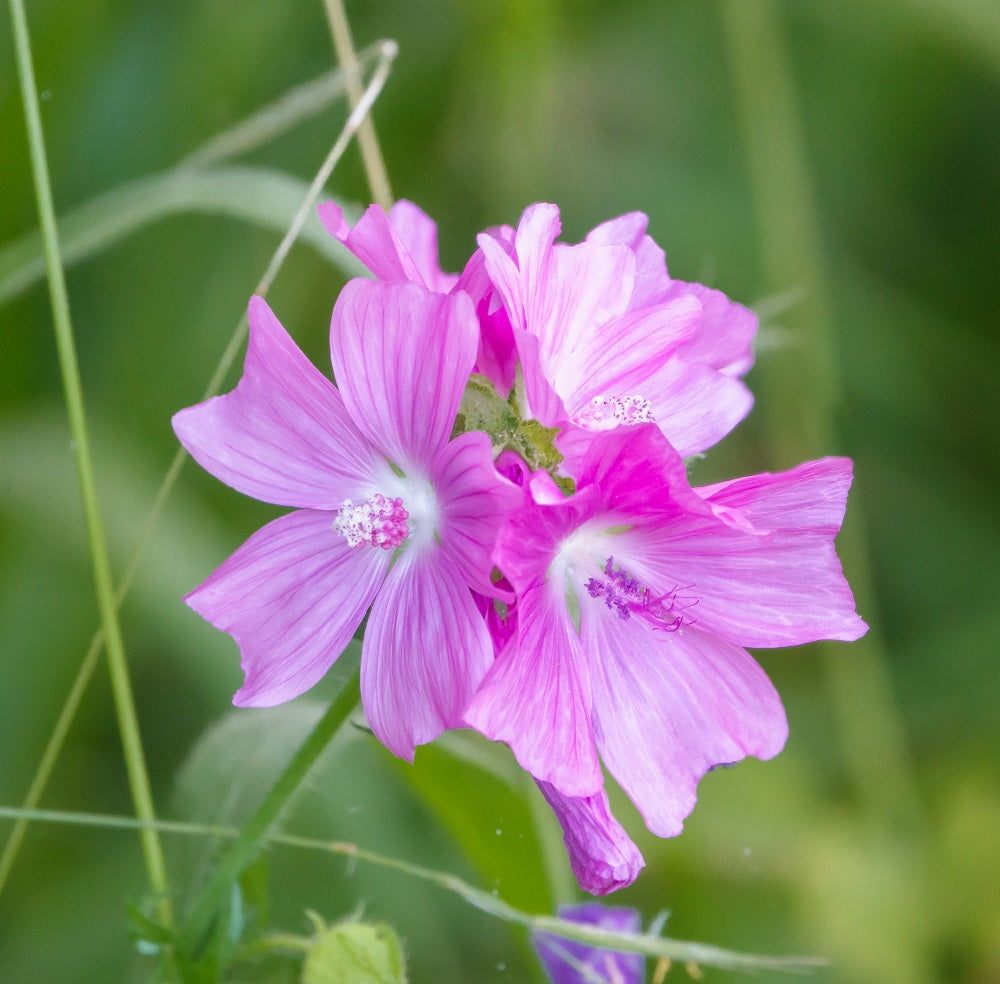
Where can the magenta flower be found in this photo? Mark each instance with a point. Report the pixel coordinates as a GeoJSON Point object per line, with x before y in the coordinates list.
{"type": "Point", "coordinates": [635, 598]}
{"type": "Point", "coordinates": [391, 514]}
{"type": "Point", "coordinates": [568, 962]}
{"type": "Point", "coordinates": [606, 338]}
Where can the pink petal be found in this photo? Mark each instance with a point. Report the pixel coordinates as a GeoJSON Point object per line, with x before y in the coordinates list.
{"type": "Point", "coordinates": [426, 649]}
{"type": "Point", "coordinates": [417, 231]}
{"type": "Point", "coordinates": [474, 499]}
{"type": "Point", "coordinates": [402, 357]}
{"type": "Point", "coordinates": [725, 339]}
{"type": "Point", "coordinates": [652, 282]}
{"type": "Point", "coordinates": [373, 241]}
{"type": "Point", "coordinates": [536, 697]}
{"type": "Point", "coordinates": [812, 496]}
{"type": "Point", "coordinates": [496, 357]}
{"type": "Point", "coordinates": [283, 435]}
{"type": "Point", "coordinates": [602, 856]}
{"type": "Point", "coordinates": [669, 706]}
{"type": "Point", "coordinates": [587, 286]}
{"type": "Point", "coordinates": [617, 358]}
{"type": "Point", "coordinates": [694, 405]}
{"type": "Point", "coordinates": [292, 597]}
{"type": "Point", "coordinates": [779, 585]}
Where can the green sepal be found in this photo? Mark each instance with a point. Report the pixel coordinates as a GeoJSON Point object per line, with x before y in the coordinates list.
{"type": "Point", "coordinates": [483, 409]}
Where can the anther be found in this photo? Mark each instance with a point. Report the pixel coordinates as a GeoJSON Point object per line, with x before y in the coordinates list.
{"type": "Point", "coordinates": [377, 522]}
{"type": "Point", "coordinates": [624, 595]}
{"type": "Point", "coordinates": [608, 412]}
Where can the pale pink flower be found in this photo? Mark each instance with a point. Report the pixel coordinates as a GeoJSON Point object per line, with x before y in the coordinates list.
{"type": "Point", "coordinates": [391, 513]}
{"type": "Point", "coordinates": [635, 599]}
{"type": "Point", "coordinates": [607, 339]}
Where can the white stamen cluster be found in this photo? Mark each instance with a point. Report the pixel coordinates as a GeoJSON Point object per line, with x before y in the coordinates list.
{"type": "Point", "coordinates": [608, 412]}
{"type": "Point", "coordinates": [378, 522]}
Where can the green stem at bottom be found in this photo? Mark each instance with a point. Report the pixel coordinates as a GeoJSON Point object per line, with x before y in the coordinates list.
{"type": "Point", "coordinates": [242, 851]}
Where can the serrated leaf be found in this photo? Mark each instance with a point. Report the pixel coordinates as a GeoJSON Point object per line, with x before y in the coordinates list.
{"type": "Point", "coordinates": [356, 953]}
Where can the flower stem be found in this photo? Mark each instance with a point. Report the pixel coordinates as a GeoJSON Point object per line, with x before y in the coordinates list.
{"type": "Point", "coordinates": [371, 153]}
{"type": "Point", "coordinates": [252, 837]}
{"type": "Point", "coordinates": [121, 687]}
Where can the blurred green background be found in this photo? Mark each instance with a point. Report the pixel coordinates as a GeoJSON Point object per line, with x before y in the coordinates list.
{"type": "Point", "coordinates": [835, 164]}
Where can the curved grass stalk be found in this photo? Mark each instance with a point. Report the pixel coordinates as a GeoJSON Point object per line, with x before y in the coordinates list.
{"type": "Point", "coordinates": [371, 153]}
{"type": "Point", "coordinates": [108, 218]}
{"type": "Point", "coordinates": [648, 944]}
{"type": "Point", "coordinates": [387, 52]}
{"type": "Point", "coordinates": [128, 723]}
{"type": "Point", "coordinates": [268, 199]}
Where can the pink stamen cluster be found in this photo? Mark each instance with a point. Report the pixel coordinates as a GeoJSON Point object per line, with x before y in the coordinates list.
{"type": "Point", "coordinates": [625, 595]}
{"type": "Point", "coordinates": [378, 521]}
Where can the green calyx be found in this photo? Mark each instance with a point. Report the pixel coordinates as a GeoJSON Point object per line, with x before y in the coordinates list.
{"type": "Point", "coordinates": [483, 409]}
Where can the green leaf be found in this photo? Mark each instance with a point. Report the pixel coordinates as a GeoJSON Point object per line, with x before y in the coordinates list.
{"type": "Point", "coordinates": [265, 198]}
{"type": "Point", "coordinates": [147, 935]}
{"type": "Point", "coordinates": [355, 953]}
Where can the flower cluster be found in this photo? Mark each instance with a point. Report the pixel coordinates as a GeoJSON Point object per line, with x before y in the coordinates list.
{"type": "Point", "coordinates": [498, 479]}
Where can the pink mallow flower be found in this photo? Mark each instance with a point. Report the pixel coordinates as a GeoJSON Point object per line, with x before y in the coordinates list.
{"type": "Point", "coordinates": [391, 513]}
{"type": "Point", "coordinates": [607, 339]}
{"type": "Point", "coordinates": [635, 599]}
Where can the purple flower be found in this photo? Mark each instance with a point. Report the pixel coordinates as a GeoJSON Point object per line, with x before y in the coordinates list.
{"type": "Point", "coordinates": [635, 598]}
{"type": "Point", "coordinates": [607, 339]}
{"type": "Point", "coordinates": [390, 513]}
{"type": "Point", "coordinates": [569, 962]}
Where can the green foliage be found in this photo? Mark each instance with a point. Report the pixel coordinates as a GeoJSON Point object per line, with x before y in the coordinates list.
{"type": "Point", "coordinates": [602, 108]}
{"type": "Point", "coordinates": [355, 953]}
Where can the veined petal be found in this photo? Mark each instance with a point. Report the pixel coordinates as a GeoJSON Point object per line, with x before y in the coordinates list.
{"type": "Point", "coordinates": [780, 584]}
{"type": "Point", "coordinates": [618, 357]}
{"type": "Point", "coordinates": [725, 337]}
{"type": "Point", "coordinates": [602, 856]}
{"type": "Point", "coordinates": [283, 435]}
{"type": "Point", "coordinates": [474, 500]}
{"type": "Point", "coordinates": [400, 246]}
{"type": "Point", "coordinates": [588, 286]}
{"type": "Point", "coordinates": [425, 651]}
{"type": "Point", "coordinates": [694, 405]}
{"type": "Point", "coordinates": [670, 706]}
{"type": "Point", "coordinates": [536, 697]}
{"type": "Point", "coordinates": [811, 496]}
{"type": "Point", "coordinates": [292, 597]}
{"type": "Point", "coordinates": [402, 357]}
{"type": "Point", "coordinates": [417, 231]}
{"type": "Point", "coordinates": [569, 962]}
